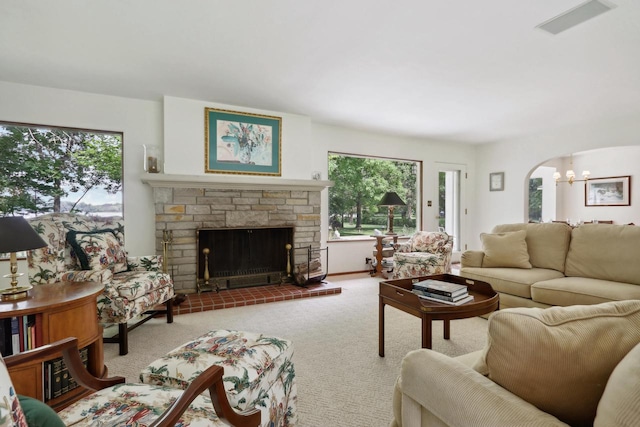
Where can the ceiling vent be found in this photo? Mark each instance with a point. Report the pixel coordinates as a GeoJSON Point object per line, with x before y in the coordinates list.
{"type": "Point", "coordinates": [575, 16]}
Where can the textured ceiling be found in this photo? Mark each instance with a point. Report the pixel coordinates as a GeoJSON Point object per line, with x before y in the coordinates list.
{"type": "Point", "coordinates": [454, 70]}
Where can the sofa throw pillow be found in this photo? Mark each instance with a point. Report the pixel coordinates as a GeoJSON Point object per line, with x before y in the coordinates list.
{"type": "Point", "coordinates": [505, 250]}
{"type": "Point", "coordinates": [620, 402]}
{"type": "Point", "coordinates": [98, 250]}
{"type": "Point", "coordinates": [559, 358]}
{"type": "Point", "coordinates": [547, 243]}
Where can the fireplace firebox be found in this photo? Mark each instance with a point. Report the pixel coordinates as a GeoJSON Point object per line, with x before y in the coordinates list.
{"type": "Point", "coordinates": [242, 257]}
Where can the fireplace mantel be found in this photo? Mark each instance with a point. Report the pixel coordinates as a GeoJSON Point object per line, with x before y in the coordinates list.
{"type": "Point", "coordinates": [232, 182]}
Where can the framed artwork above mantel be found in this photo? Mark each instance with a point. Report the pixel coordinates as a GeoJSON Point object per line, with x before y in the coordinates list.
{"type": "Point", "coordinates": [242, 143]}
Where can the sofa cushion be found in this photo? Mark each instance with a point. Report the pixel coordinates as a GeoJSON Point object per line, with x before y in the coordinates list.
{"type": "Point", "coordinates": [137, 405]}
{"type": "Point", "coordinates": [98, 250]}
{"type": "Point", "coordinates": [620, 402]}
{"type": "Point", "coordinates": [505, 250]}
{"type": "Point", "coordinates": [547, 243]}
{"type": "Point", "coordinates": [509, 280]}
{"type": "Point", "coordinates": [604, 251]}
{"type": "Point", "coordinates": [582, 290]}
{"type": "Point", "coordinates": [559, 358]}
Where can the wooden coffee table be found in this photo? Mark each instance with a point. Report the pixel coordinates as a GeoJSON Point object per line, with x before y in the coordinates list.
{"type": "Point", "coordinates": [397, 293]}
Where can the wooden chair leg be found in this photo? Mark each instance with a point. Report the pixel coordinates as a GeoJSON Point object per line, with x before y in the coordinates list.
{"type": "Point", "coordinates": [169, 305]}
{"type": "Point", "coordinates": [123, 338]}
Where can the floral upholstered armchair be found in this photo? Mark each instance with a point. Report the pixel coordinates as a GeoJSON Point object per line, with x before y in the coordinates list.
{"type": "Point", "coordinates": [82, 248]}
{"type": "Point", "coordinates": [426, 253]}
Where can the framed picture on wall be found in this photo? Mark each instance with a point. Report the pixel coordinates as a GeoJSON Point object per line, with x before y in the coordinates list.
{"type": "Point", "coordinates": [611, 191]}
{"type": "Point", "coordinates": [496, 181]}
{"type": "Point", "coordinates": [242, 143]}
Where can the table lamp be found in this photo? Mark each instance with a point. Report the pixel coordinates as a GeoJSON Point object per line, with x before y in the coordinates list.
{"type": "Point", "coordinates": [391, 199]}
{"type": "Point", "coordinates": [17, 235]}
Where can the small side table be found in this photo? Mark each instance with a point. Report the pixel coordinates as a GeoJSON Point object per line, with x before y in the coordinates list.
{"type": "Point", "coordinates": [379, 246]}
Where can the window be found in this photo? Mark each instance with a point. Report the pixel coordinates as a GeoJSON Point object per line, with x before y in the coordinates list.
{"type": "Point", "coordinates": [535, 199]}
{"type": "Point", "coordinates": [50, 169]}
{"type": "Point", "coordinates": [360, 183]}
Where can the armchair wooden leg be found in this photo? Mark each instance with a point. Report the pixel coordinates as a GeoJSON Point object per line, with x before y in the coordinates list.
{"type": "Point", "coordinates": [123, 338]}
{"type": "Point", "coordinates": [169, 305]}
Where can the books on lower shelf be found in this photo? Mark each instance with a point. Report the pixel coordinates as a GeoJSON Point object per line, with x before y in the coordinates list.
{"type": "Point", "coordinates": [19, 333]}
{"type": "Point", "coordinates": [57, 380]}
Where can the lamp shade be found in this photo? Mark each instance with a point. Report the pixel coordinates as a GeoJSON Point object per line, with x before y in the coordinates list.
{"type": "Point", "coordinates": [16, 235]}
{"type": "Point", "coordinates": [391, 198]}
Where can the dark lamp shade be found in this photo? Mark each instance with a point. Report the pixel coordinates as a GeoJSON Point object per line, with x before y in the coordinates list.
{"type": "Point", "coordinates": [391, 198]}
{"type": "Point", "coordinates": [16, 235]}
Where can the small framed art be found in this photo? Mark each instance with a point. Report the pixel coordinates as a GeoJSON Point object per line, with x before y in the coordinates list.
{"type": "Point", "coordinates": [611, 191]}
{"type": "Point", "coordinates": [496, 181]}
{"type": "Point", "coordinates": [242, 143]}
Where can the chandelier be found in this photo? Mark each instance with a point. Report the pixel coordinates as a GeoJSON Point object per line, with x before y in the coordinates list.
{"type": "Point", "coordinates": [571, 175]}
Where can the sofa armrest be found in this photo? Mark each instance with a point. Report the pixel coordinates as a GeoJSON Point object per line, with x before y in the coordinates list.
{"type": "Point", "coordinates": [145, 263]}
{"type": "Point", "coordinates": [100, 276]}
{"type": "Point", "coordinates": [471, 259]}
{"type": "Point", "coordinates": [457, 395]}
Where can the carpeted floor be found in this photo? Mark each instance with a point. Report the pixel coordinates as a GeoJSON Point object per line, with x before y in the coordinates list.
{"type": "Point", "coordinates": [341, 379]}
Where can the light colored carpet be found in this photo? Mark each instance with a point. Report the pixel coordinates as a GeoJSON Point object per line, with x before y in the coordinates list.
{"type": "Point", "coordinates": [341, 379]}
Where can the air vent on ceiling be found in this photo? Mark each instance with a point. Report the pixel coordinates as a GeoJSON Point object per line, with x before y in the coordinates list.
{"type": "Point", "coordinates": [575, 16]}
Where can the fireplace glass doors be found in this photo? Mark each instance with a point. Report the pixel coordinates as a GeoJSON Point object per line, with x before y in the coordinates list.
{"type": "Point", "coordinates": [240, 257]}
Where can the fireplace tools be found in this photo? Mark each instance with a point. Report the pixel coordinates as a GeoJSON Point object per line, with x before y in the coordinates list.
{"type": "Point", "coordinates": [167, 241]}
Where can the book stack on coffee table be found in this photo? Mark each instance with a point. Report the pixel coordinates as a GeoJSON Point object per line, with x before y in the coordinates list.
{"type": "Point", "coordinates": [443, 292]}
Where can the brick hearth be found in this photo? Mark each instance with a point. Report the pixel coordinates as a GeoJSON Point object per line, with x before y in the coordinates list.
{"type": "Point", "coordinates": [195, 303]}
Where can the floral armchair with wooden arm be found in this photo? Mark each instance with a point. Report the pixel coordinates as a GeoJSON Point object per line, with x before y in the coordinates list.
{"type": "Point", "coordinates": [424, 254]}
{"type": "Point", "coordinates": [116, 403]}
{"type": "Point", "coordinates": [83, 248]}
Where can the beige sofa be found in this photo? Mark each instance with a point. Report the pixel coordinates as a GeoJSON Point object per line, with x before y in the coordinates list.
{"type": "Point", "coordinates": [541, 265]}
{"type": "Point", "coordinates": [558, 366]}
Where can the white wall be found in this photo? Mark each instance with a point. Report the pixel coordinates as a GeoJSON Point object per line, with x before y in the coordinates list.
{"type": "Point", "coordinates": [519, 157]}
{"type": "Point", "coordinates": [184, 139]}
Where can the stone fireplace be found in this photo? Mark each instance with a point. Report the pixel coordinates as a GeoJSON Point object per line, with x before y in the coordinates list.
{"type": "Point", "coordinates": [186, 204]}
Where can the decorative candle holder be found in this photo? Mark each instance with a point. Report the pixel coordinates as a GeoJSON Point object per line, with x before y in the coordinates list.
{"type": "Point", "coordinates": [151, 158]}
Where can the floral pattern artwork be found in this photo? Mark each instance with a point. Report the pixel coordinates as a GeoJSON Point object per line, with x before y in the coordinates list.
{"type": "Point", "coordinates": [127, 294]}
{"type": "Point", "coordinates": [426, 253]}
{"type": "Point", "coordinates": [137, 405]}
{"type": "Point", "coordinates": [258, 371]}
{"type": "Point", "coordinates": [244, 143]}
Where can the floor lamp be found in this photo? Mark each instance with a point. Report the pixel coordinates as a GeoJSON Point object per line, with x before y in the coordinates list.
{"type": "Point", "coordinates": [391, 199]}
{"type": "Point", "coordinates": [16, 235]}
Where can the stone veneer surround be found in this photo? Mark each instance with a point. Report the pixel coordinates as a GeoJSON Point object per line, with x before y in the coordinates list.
{"type": "Point", "coordinates": [183, 206]}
